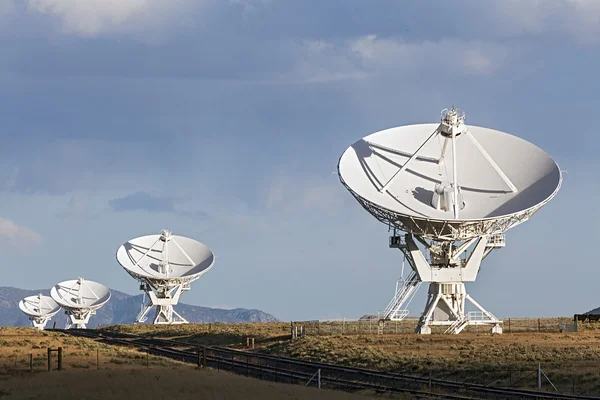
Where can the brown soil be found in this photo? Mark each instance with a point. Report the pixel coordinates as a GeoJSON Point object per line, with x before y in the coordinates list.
{"type": "Point", "coordinates": [146, 384]}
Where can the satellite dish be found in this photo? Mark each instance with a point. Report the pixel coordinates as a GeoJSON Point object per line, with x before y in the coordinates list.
{"type": "Point", "coordinates": [424, 181]}
{"type": "Point", "coordinates": [40, 309]}
{"type": "Point", "coordinates": [80, 299]}
{"type": "Point", "coordinates": [165, 265]}
{"type": "Point", "coordinates": [454, 191]}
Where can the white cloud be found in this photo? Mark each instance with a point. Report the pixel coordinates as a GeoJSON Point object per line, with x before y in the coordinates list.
{"type": "Point", "coordinates": [95, 17]}
{"type": "Point", "coordinates": [368, 56]}
{"type": "Point", "coordinates": [17, 236]}
{"type": "Point", "coordinates": [578, 18]}
{"type": "Point", "coordinates": [449, 56]}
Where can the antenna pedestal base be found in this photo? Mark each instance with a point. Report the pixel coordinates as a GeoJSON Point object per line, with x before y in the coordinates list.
{"type": "Point", "coordinates": [448, 266]}
{"type": "Point", "coordinates": [164, 299]}
{"type": "Point", "coordinates": [78, 319]}
{"type": "Point", "coordinates": [39, 322]}
{"type": "Point", "coordinates": [446, 307]}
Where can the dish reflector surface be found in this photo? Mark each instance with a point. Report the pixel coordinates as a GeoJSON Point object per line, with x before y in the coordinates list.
{"type": "Point", "coordinates": [39, 306]}
{"type": "Point", "coordinates": [187, 258]}
{"type": "Point", "coordinates": [78, 293]}
{"type": "Point", "coordinates": [367, 165]}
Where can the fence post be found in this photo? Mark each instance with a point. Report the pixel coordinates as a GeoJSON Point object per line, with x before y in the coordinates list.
{"type": "Point", "coordinates": [430, 380]}
{"type": "Point", "coordinates": [292, 329]}
{"type": "Point", "coordinates": [54, 326]}
{"type": "Point", "coordinates": [247, 341]}
{"type": "Point", "coordinates": [60, 358]}
{"type": "Point", "coordinates": [539, 375]}
{"type": "Point", "coordinates": [319, 378]}
{"type": "Point", "coordinates": [204, 357]}
{"type": "Point", "coordinates": [509, 331]}
{"type": "Point", "coordinates": [30, 362]}
{"type": "Point", "coordinates": [252, 342]}
{"type": "Point", "coordinates": [49, 359]}
{"type": "Point", "coordinates": [539, 327]}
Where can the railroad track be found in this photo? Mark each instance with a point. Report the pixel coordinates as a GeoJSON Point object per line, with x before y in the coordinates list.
{"type": "Point", "coordinates": [333, 376]}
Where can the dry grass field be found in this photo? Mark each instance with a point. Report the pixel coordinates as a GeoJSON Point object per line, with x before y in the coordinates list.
{"type": "Point", "coordinates": [16, 345]}
{"type": "Point", "coordinates": [568, 358]}
{"type": "Point", "coordinates": [123, 374]}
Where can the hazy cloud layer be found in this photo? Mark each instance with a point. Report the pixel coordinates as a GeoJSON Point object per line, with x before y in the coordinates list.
{"type": "Point", "coordinates": [91, 18]}
{"type": "Point", "coordinates": [141, 201]}
{"type": "Point", "coordinates": [289, 192]}
{"type": "Point", "coordinates": [14, 236]}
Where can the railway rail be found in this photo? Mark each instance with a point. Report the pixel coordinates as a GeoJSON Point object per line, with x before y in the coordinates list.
{"type": "Point", "coordinates": [289, 370]}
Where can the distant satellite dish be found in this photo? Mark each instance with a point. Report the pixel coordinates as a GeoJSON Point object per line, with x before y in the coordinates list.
{"type": "Point", "coordinates": [165, 265]}
{"type": "Point", "coordinates": [80, 299]}
{"type": "Point", "coordinates": [40, 309]}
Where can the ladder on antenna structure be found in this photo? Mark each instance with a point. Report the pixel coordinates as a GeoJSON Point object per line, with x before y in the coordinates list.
{"type": "Point", "coordinates": [458, 325]}
{"type": "Point", "coordinates": [405, 290]}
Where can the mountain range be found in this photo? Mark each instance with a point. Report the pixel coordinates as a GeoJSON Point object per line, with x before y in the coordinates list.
{"type": "Point", "coordinates": [122, 308]}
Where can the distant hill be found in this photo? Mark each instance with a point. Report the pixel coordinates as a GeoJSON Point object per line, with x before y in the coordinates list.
{"type": "Point", "coordinates": [122, 308]}
{"type": "Point", "coordinates": [595, 311]}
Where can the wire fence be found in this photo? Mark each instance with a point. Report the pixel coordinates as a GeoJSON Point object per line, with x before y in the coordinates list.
{"type": "Point", "coordinates": [374, 326]}
{"type": "Point", "coordinates": [54, 359]}
{"type": "Point", "coordinates": [287, 370]}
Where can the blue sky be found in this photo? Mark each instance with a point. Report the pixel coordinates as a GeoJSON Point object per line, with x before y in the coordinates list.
{"type": "Point", "coordinates": [224, 120]}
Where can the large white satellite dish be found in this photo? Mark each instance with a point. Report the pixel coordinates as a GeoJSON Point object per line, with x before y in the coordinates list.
{"type": "Point", "coordinates": [40, 309]}
{"type": "Point", "coordinates": [456, 190]}
{"type": "Point", "coordinates": [165, 265]}
{"type": "Point", "coordinates": [80, 299]}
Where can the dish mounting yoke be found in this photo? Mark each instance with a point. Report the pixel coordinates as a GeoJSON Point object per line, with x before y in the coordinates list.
{"type": "Point", "coordinates": [448, 267]}
{"type": "Point", "coordinates": [164, 293]}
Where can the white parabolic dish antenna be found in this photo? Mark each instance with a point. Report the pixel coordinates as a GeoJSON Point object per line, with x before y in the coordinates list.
{"type": "Point", "coordinates": [456, 189]}
{"type": "Point", "coordinates": [80, 299]}
{"type": "Point", "coordinates": [40, 309]}
{"type": "Point", "coordinates": [502, 179]}
{"type": "Point", "coordinates": [165, 265]}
